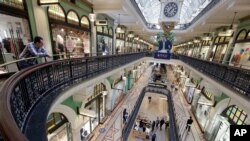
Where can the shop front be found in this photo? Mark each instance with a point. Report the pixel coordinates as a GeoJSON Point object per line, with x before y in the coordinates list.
{"type": "Point", "coordinates": [204, 49]}
{"type": "Point", "coordinates": [202, 108]}
{"type": "Point", "coordinates": [15, 32]}
{"type": "Point", "coordinates": [70, 34]}
{"type": "Point", "coordinates": [94, 111]}
{"type": "Point", "coordinates": [189, 91]}
{"type": "Point", "coordinates": [232, 115]}
{"type": "Point", "coordinates": [58, 128]}
{"type": "Point", "coordinates": [118, 93]}
{"type": "Point", "coordinates": [240, 56]}
{"type": "Point", "coordinates": [120, 42]}
{"type": "Point", "coordinates": [130, 80]}
{"type": "Point", "coordinates": [104, 40]}
{"type": "Point", "coordinates": [219, 49]}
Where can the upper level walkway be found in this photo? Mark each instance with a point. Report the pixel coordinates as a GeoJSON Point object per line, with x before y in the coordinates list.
{"type": "Point", "coordinates": [42, 84]}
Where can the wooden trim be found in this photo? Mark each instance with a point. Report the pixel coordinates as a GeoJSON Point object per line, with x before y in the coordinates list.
{"type": "Point", "coordinates": [12, 11]}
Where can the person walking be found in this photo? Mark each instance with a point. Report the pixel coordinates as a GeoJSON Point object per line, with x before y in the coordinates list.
{"type": "Point", "coordinates": [149, 99]}
{"type": "Point", "coordinates": [154, 137]}
{"type": "Point", "coordinates": [153, 126]}
{"type": "Point", "coordinates": [189, 123]}
{"type": "Point", "coordinates": [166, 124]}
{"type": "Point", "coordinates": [161, 123]}
{"type": "Point", "coordinates": [32, 49]}
{"type": "Point", "coordinates": [124, 115]}
{"type": "Point", "coordinates": [157, 122]}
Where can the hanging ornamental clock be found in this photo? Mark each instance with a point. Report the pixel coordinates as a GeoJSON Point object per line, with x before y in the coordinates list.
{"type": "Point", "coordinates": [170, 9]}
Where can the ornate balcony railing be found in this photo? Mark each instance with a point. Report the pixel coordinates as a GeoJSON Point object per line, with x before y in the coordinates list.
{"type": "Point", "coordinates": [235, 78]}
{"type": "Point", "coordinates": [172, 121]}
{"type": "Point", "coordinates": [27, 95]}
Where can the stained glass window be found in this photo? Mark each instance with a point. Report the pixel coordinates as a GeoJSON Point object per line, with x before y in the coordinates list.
{"type": "Point", "coordinates": [236, 115]}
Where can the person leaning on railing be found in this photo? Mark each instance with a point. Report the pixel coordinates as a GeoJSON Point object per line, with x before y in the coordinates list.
{"type": "Point", "coordinates": [33, 49]}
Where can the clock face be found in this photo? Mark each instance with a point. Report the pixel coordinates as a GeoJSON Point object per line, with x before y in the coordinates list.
{"type": "Point", "coordinates": [170, 9]}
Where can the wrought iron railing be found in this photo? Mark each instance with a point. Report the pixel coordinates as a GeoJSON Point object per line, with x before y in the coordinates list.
{"type": "Point", "coordinates": [234, 78]}
{"type": "Point", "coordinates": [172, 121]}
{"type": "Point", "coordinates": [27, 95]}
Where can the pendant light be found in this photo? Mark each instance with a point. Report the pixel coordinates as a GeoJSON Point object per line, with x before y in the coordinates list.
{"type": "Point", "coordinates": [119, 29]}
{"type": "Point", "coordinates": [230, 30]}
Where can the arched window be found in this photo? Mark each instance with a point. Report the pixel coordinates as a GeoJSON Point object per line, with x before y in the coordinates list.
{"type": "Point", "coordinates": [85, 22]}
{"type": "Point", "coordinates": [99, 29]}
{"type": "Point", "coordinates": [99, 88]}
{"type": "Point", "coordinates": [106, 31]}
{"type": "Point", "coordinates": [13, 3]}
{"type": "Point", "coordinates": [56, 12]}
{"type": "Point", "coordinates": [72, 18]}
{"type": "Point", "coordinates": [235, 115]}
{"type": "Point", "coordinates": [111, 31]}
{"type": "Point", "coordinates": [54, 121]}
{"type": "Point", "coordinates": [241, 35]}
{"type": "Point", "coordinates": [248, 35]}
{"type": "Point", "coordinates": [217, 39]}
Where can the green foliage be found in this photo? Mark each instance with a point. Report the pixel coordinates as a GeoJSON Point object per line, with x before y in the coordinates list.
{"type": "Point", "coordinates": [169, 36]}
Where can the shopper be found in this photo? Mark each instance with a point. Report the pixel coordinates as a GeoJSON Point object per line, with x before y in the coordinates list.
{"type": "Point", "coordinates": [153, 126]}
{"type": "Point", "coordinates": [189, 123]}
{"type": "Point", "coordinates": [123, 115]}
{"type": "Point", "coordinates": [33, 49]}
{"type": "Point", "coordinates": [157, 122]}
{"type": "Point", "coordinates": [154, 137]}
{"type": "Point", "coordinates": [149, 99]}
{"type": "Point", "coordinates": [161, 123]}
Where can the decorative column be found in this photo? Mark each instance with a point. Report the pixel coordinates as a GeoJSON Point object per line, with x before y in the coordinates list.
{"type": "Point", "coordinates": [93, 40]}
{"type": "Point", "coordinates": [104, 93]}
{"type": "Point", "coordinates": [114, 38]}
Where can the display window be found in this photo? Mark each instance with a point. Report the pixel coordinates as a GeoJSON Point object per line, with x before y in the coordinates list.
{"type": "Point", "coordinates": [58, 128]}
{"type": "Point", "coordinates": [70, 35]}
{"type": "Point", "coordinates": [15, 31]}
{"type": "Point", "coordinates": [104, 40]}
{"type": "Point", "coordinates": [118, 88]}
{"type": "Point", "coordinates": [219, 49]}
{"type": "Point", "coordinates": [203, 107]}
{"type": "Point", "coordinates": [120, 45]}
{"type": "Point", "coordinates": [240, 56]}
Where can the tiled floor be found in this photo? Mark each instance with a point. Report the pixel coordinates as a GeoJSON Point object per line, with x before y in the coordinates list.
{"type": "Point", "coordinates": [156, 108]}
{"type": "Point", "coordinates": [114, 123]}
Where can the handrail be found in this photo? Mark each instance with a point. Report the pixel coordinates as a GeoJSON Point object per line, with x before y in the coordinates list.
{"type": "Point", "coordinates": [65, 56]}
{"type": "Point", "coordinates": [235, 78]}
{"type": "Point", "coordinates": [129, 124]}
{"type": "Point", "coordinates": [24, 92]}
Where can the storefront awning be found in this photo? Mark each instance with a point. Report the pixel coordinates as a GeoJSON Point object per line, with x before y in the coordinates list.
{"type": "Point", "coordinates": [88, 113]}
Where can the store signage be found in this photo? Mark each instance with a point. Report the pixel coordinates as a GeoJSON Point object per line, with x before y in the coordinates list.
{"type": "Point", "coordinates": [48, 2]}
{"type": "Point", "coordinates": [101, 23]}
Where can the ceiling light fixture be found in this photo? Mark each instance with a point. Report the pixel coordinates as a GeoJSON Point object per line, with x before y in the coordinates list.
{"type": "Point", "coordinates": [119, 28]}
{"type": "Point", "coordinates": [229, 32]}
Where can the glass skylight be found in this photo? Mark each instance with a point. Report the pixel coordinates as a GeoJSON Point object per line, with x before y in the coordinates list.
{"type": "Point", "coordinates": [150, 9]}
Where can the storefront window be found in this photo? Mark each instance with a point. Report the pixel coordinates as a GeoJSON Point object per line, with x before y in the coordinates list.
{"type": "Point", "coordinates": [66, 39]}
{"type": "Point", "coordinates": [14, 35]}
{"type": "Point", "coordinates": [13, 3]}
{"type": "Point", "coordinates": [110, 31]}
{"type": "Point", "coordinates": [106, 31]}
{"type": "Point", "coordinates": [73, 18]}
{"type": "Point", "coordinates": [56, 12]}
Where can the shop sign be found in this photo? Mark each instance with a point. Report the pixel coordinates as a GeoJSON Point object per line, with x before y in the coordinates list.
{"type": "Point", "coordinates": [48, 2]}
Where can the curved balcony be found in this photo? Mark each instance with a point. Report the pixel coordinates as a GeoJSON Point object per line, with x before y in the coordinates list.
{"type": "Point", "coordinates": [234, 78]}
{"type": "Point", "coordinates": [27, 95]}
